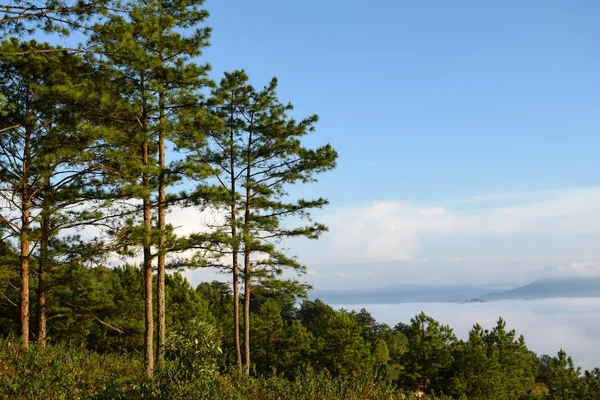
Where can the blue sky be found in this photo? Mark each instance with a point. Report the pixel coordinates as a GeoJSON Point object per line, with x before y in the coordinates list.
{"type": "Point", "coordinates": [468, 132]}
{"type": "Point", "coordinates": [430, 100]}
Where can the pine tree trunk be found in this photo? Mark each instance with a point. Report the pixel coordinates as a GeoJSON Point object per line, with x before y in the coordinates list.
{"type": "Point", "coordinates": [247, 312]}
{"type": "Point", "coordinates": [42, 315]}
{"type": "Point", "coordinates": [162, 194]}
{"type": "Point", "coordinates": [235, 263]}
{"type": "Point", "coordinates": [24, 294]}
{"type": "Point", "coordinates": [24, 255]}
{"type": "Point", "coordinates": [236, 312]}
{"type": "Point", "coordinates": [42, 269]}
{"type": "Point", "coordinates": [247, 278]}
{"type": "Point", "coordinates": [247, 251]}
{"type": "Point", "coordinates": [148, 312]}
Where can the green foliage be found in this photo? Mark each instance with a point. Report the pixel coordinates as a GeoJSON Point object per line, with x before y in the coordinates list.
{"type": "Point", "coordinates": [493, 364]}
{"type": "Point", "coordinates": [81, 139]}
{"type": "Point", "coordinates": [563, 378]}
{"type": "Point", "coordinates": [60, 372]}
{"type": "Point", "coordinates": [341, 348]}
{"type": "Point", "coordinates": [22, 17]}
{"type": "Point", "coordinates": [102, 309]}
{"type": "Point", "coordinates": [591, 385]}
{"type": "Point", "coordinates": [219, 299]}
{"type": "Point", "coordinates": [192, 351]}
{"type": "Point", "coordinates": [266, 338]}
{"type": "Point", "coordinates": [313, 314]}
{"type": "Point", "coordinates": [427, 363]}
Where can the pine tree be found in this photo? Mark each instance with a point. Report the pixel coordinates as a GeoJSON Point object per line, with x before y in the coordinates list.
{"type": "Point", "coordinates": [514, 365]}
{"type": "Point", "coordinates": [477, 374]}
{"type": "Point", "coordinates": [591, 384]}
{"type": "Point", "coordinates": [45, 178]}
{"type": "Point", "coordinates": [312, 315]}
{"type": "Point", "coordinates": [429, 354]}
{"type": "Point", "coordinates": [149, 51]}
{"type": "Point", "coordinates": [563, 378]}
{"type": "Point", "coordinates": [268, 335]}
{"type": "Point", "coordinates": [62, 16]}
{"type": "Point", "coordinates": [219, 299]}
{"type": "Point", "coordinates": [340, 347]}
{"type": "Point", "coordinates": [256, 155]}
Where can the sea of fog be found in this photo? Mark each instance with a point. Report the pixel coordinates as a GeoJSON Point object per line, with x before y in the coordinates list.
{"type": "Point", "coordinates": [548, 325]}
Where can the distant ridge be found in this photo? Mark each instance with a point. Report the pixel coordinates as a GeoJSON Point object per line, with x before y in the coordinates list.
{"type": "Point", "coordinates": [403, 293]}
{"type": "Point", "coordinates": [551, 288]}
{"type": "Point", "coordinates": [408, 293]}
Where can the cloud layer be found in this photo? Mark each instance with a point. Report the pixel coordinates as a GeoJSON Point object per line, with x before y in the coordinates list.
{"type": "Point", "coordinates": [394, 230]}
{"type": "Point", "coordinates": [548, 325]}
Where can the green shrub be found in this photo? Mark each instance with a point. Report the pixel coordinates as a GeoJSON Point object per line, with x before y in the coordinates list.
{"type": "Point", "coordinates": [192, 352]}
{"type": "Point", "coordinates": [60, 372]}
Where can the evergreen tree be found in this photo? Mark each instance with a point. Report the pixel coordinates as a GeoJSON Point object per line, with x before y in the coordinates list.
{"type": "Point", "coordinates": [563, 378]}
{"type": "Point", "coordinates": [220, 302]}
{"type": "Point", "coordinates": [429, 354]}
{"type": "Point", "coordinates": [256, 155]}
{"type": "Point", "coordinates": [476, 374]}
{"type": "Point", "coordinates": [267, 337]}
{"type": "Point", "coordinates": [149, 50]}
{"type": "Point", "coordinates": [397, 345]}
{"type": "Point", "coordinates": [47, 177]}
{"type": "Point", "coordinates": [295, 350]}
{"type": "Point", "coordinates": [27, 16]}
{"type": "Point", "coordinates": [591, 384]}
{"type": "Point", "coordinates": [340, 347]}
{"type": "Point", "coordinates": [313, 314]}
{"type": "Point", "coordinates": [514, 365]}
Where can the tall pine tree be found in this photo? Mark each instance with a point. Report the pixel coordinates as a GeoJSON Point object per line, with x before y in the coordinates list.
{"type": "Point", "coordinates": [150, 49]}
{"type": "Point", "coordinates": [48, 178]}
{"type": "Point", "coordinates": [256, 155]}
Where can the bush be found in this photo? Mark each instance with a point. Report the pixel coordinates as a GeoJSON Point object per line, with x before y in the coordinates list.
{"type": "Point", "coordinates": [192, 352]}
{"type": "Point", "coordinates": [60, 372]}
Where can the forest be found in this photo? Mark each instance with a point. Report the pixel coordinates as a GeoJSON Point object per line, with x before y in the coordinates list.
{"type": "Point", "coordinates": [99, 142]}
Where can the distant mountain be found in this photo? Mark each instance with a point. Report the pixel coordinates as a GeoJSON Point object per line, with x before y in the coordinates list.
{"type": "Point", "coordinates": [403, 293]}
{"type": "Point", "coordinates": [551, 288]}
{"type": "Point", "coordinates": [409, 293]}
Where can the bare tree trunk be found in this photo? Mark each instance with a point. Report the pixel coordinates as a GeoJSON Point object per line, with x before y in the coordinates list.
{"type": "Point", "coordinates": [162, 195]}
{"type": "Point", "coordinates": [42, 269]}
{"type": "Point", "coordinates": [42, 313]}
{"type": "Point", "coordinates": [235, 263]}
{"type": "Point", "coordinates": [148, 312]}
{"type": "Point", "coordinates": [24, 255]}
{"type": "Point", "coordinates": [236, 312]}
{"type": "Point", "coordinates": [247, 275]}
{"type": "Point", "coordinates": [247, 311]}
{"type": "Point", "coordinates": [247, 252]}
{"type": "Point", "coordinates": [24, 312]}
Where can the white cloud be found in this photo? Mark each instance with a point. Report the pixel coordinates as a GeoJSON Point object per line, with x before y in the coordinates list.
{"type": "Point", "coordinates": [394, 230]}
{"type": "Point", "coordinates": [382, 231]}
{"type": "Point", "coordinates": [458, 259]}
{"type": "Point", "coordinates": [573, 268]}
{"type": "Point", "coordinates": [192, 220]}
{"type": "Point", "coordinates": [422, 260]}
{"type": "Point", "coordinates": [312, 272]}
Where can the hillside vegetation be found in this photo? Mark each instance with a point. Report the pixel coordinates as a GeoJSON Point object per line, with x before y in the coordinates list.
{"type": "Point", "coordinates": [305, 351]}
